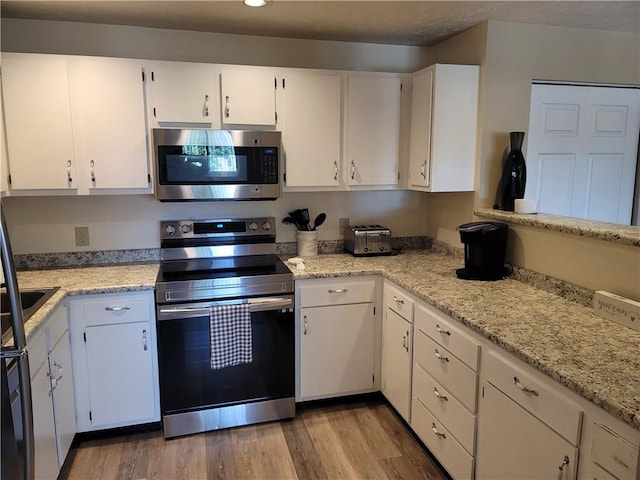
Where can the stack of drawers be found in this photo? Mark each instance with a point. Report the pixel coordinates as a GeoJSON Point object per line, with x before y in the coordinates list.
{"type": "Point", "coordinates": [444, 390]}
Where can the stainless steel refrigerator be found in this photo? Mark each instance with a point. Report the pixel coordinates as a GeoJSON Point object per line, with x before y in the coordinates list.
{"type": "Point", "coordinates": [17, 441]}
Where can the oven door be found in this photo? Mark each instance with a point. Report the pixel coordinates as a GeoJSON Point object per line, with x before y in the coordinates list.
{"type": "Point", "coordinates": [189, 383]}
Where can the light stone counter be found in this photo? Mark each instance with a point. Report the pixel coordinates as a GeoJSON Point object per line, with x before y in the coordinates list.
{"type": "Point", "coordinates": [594, 357]}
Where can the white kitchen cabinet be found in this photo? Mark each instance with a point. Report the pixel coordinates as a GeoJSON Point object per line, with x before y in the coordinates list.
{"type": "Point", "coordinates": [373, 130]}
{"type": "Point", "coordinates": [397, 349]}
{"type": "Point", "coordinates": [4, 156]}
{"type": "Point", "coordinates": [444, 123]}
{"type": "Point", "coordinates": [337, 332]}
{"type": "Point", "coordinates": [248, 96]}
{"type": "Point", "coordinates": [184, 92]}
{"type": "Point", "coordinates": [109, 123]}
{"type": "Point", "coordinates": [52, 394]}
{"type": "Point", "coordinates": [37, 107]}
{"type": "Point", "coordinates": [115, 360]}
{"type": "Point", "coordinates": [311, 116]}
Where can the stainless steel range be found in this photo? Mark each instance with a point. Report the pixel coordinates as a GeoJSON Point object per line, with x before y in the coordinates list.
{"type": "Point", "coordinates": [225, 317]}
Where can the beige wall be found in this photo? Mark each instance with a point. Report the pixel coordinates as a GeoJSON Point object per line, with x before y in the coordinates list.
{"type": "Point", "coordinates": [515, 55]}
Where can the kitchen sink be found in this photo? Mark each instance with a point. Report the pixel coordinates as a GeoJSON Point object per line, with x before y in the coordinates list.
{"type": "Point", "coordinates": [32, 299]}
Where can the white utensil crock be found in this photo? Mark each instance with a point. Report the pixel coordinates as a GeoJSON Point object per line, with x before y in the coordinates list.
{"type": "Point", "coordinates": [307, 243]}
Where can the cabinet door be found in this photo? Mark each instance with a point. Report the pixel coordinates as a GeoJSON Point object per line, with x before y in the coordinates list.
{"type": "Point", "coordinates": [512, 443]}
{"type": "Point", "coordinates": [397, 343]}
{"type": "Point", "coordinates": [373, 130]}
{"type": "Point", "coordinates": [64, 406]}
{"type": "Point", "coordinates": [312, 128]}
{"type": "Point", "coordinates": [420, 142]}
{"type": "Point", "coordinates": [107, 97]}
{"type": "Point", "coordinates": [336, 350]}
{"type": "Point", "coordinates": [44, 431]}
{"type": "Point", "coordinates": [248, 97]}
{"type": "Point", "coordinates": [120, 368]}
{"type": "Point", "coordinates": [184, 93]}
{"type": "Point", "coordinates": [38, 121]}
{"type": "Point", "coordinates": [4, 157]}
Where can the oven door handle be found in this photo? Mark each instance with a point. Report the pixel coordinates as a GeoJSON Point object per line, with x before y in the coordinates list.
{"type": "Point", "coordinates": [255, 305]}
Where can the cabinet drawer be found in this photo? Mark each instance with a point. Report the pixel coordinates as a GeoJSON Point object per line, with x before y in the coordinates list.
{"type": "Point", "coordinates": [451, 413]}
{"type": "Point", "coordinates": [615, 454]}
{"type": "Point", "coordinates": [440, 442]}
{"type": "Point", "coordinates": [558, 412]}
{"type": "Point", "coordinates": [441, 329]}
{"type": "Point", "coordinates": [399, 301]}
{"type": "Point", "coordinates": [446, 369]}
{"type": "Point", "coordinates": [121, 308]}
{"type": "Point", "coordinates": [337, 291]}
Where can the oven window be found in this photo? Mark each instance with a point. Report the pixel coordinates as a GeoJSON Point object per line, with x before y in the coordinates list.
{"type": "Point", "coordinates": [187, 381]}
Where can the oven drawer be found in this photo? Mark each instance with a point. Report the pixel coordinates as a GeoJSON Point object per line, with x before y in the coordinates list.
{"type": "Point", "coordinates": [117, 308]}
{"type": "Point", "coordinates": [337, 291]}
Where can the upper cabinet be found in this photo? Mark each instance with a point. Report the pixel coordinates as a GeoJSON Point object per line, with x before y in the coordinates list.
{"type": "Point", "coordinates": [248, 96]}
{"type": "Point", "coordinates": [75, 123]}
{"type": "Point", "coordinates": [444, 120]}
{"type": "Point", "coordinates": [184, 93]}
{"type": "Point", "coordinates": [373, 130]}
{"type": "Point", "coordinates": [37, 107]}
{"type": "Point", "coordinates": [4, 157]}
{"type": "Point", "coordinates": [310, 111]}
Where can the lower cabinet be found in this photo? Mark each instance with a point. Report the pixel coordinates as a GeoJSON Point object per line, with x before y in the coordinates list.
{"type": "Point", "coordinates": [52, 386]}
{"type": "Point", "coordinates": [115, 360]}
{"type": "Point", "coordinates": [338, 338]}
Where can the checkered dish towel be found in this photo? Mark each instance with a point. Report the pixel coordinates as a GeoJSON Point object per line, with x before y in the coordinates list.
{"type": "Point", "coordinates": [230, 327]}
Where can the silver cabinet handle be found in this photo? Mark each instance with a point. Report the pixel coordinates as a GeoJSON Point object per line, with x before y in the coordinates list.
{"type": "Point", "coordinates": [435, 430]}
{"type": "Point", "coordinates": [443, 332]}
{"type": "Point", "coordinates": [440, 357]}
{"type": "Point", "coordinates": [93, 173]}
{"type": "Point", "coordinates": [405, 343]}
{"type": "Point", "coordinates": [335, 170]}
{"type": "Point", "coordinates": [206, 105]}
{"type": "Point", "coordinates": [226, 107]}
{"type": "Point", "coordinates": [338, 290]}
{"type": "Point", "coordinates": [60, 371]}
{"type": "Point", "coordinates": [117, 309]}
{"type": "Point", "coordinates": [353, 170]}
{"type": "Point", "coordinates": [306, 325]}
{"type": "Point", "coordinates": [144, 340]}
{"type": "Point", "coordinates": [423, 169]}
{"type": "Point", "coordinates": [398, 300]}
{"type": "Point", "coordinates": [523, 387]}
{"type": "Point", "coordinates": [565, 461]}
{"type": "Point", "coordinates": [439, 395]}
{"type": "Point", "coordinates": [69, 179]}
{"type": "Point", "coordinates": [53, 382]}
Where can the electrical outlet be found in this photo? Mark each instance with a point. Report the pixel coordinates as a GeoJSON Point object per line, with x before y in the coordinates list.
{"type": "Point", "coordinates": [343, 225]}
{"type": "Point", "coordinates": [82, 236]}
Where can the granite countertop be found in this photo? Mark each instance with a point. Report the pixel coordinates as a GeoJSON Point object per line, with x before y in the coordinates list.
{"type": "Point", "coordinates": [594, 357]}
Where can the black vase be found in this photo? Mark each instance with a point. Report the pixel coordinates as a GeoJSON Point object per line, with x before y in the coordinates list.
{"type": "Point", "coordinates": [514, 173]}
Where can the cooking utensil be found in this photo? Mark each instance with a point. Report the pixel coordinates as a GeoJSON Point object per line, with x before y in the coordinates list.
{"type": "Point", "coordinates": [306, 218]}
{"type": "Point", "coordinates": [290, 221]}
{"type": "Point", "coordinates": [319, 220]}
{"type": "Point", "coordinates": [298, 218]}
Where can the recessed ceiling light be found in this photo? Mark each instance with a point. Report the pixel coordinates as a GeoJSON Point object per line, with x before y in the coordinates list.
{"type": "Point", "coordinates": [255, 3]}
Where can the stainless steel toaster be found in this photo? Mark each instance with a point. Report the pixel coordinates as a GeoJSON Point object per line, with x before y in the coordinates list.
{"type": "Point", "coordinates": [364, 240]}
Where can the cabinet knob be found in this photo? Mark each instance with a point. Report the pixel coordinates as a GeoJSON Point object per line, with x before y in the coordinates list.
{"type": "Point", "coordinates": [69, 179]}
{"type": "Point", "coordinates": [443, 332]}
{"type": "Point", "coordinates": [144, 340]}
{"type": "Point", "coordinates": [353, 170]}
{"type": "Point", "coordinates": [565, 461]}
{"type": "Point", "coordinates": [206, 105]}
{"type": "Point", "coordinates": [440, 357]}
{"type": "Point", "coordinates": [93, 173]}
{"type": "Point", "coordinates": [524, 388]}
{"type": "Point", "coordinates": [439, 395]}
{"type": "Point", "coordinates": [435, 430]}
{"type": "Point", "coordinates": [306, 325]}
{"type": "Point", "coordinates": [398, 300]}
{"type": "Point", "coordinates": [226, 106]}
{"type": "Point", "coordinates": [335, 170]}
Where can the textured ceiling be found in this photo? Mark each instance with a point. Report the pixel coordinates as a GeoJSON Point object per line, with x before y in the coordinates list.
{"type": "Point", "coordinates": [390, 22]}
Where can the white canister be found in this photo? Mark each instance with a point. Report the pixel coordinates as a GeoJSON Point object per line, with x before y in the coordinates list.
{"type": "Point", "coordinates": [525, 205]}
{"type": "Point", "coordinates": [307, 243]}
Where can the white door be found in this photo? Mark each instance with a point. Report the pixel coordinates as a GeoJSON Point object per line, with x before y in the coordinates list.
{"type": "Point", "coordinates": [38, 121]}
{"type": "Point", "coordinates": [373, 130]}
{"type": "Point", "coordinates": [184, 93]}
{"type": "Point", "coordinates": [119, 360]}
{"type": "Point", "coordinates": [44, 431]}
{"type": "Point", "coordinates": [312, 129]}
{"type": "Point", "coordinates": [336, 350]}
{"type": "Point", "coordinates": [64, 405]}
{"type": "Point", "coordinates": [513, 444]}
{"type": "Point", "coordinates": [421, 118]}
{"type": "Point", "coordinates": [397, 341]}
{"type": "Point", "coordinates": [107, 98]}
{"type": "Point", "coordinates": [582, 151]}
{"type": "Point", "coordinates": [248, 97]}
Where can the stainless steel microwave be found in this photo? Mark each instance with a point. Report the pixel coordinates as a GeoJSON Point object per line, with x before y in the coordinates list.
{"type": "Point", "coordinates": [203, 164]}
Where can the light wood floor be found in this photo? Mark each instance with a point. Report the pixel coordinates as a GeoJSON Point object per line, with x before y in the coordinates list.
{"type": "Point", "coordinates": [337, 441]}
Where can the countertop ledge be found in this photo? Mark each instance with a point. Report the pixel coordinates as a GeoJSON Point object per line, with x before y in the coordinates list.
{"type": "Point", "coordinates": [592, 356]}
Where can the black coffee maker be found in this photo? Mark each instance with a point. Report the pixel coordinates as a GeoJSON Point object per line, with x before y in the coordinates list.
{"type": "Point", "coordinates": [485, 246]}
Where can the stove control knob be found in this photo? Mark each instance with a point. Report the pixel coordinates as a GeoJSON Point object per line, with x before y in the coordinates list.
{"type": "Point", "coordinates": [266, 226]}
{"type": "Point", "coordinates": [170, 229]}
{"type": "Point", "coordinates": [253, 226]}
{"type": "Point", "coordinates": [185, 228]}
